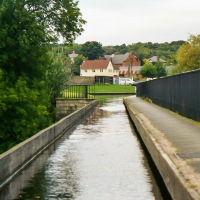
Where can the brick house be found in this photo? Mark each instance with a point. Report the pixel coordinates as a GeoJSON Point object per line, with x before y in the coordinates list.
{"type": "Point", "coordinates": [127, 59]}
{"type": "Point", "coordinates": [132, 60]}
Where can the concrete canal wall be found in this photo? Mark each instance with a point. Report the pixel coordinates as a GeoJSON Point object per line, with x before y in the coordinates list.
{"type": "Point", "coordinates": [12, 160]}
{"type": "Point", "coordinates": [175, 172]}
{"type": "Point", "coordinates": [67, 106]}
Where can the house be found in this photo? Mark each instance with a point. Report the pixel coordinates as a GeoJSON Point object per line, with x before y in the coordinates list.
{"type": "Point", "coordinates": [155, 59]}
{"type": "Point", "coordinates": [117, 59]}
{"type": "Point", "coordinates": [127, 59]}
{"type": "Point", "coordinates": [72, 56]}
{"type": "Point", "coordinates": [92, 68]}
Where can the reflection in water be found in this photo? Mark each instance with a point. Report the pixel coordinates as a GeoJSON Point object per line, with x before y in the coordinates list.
{"type": "Point", "coordinates": [100, 160]}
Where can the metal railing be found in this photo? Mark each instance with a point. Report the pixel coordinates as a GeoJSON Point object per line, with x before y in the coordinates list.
{"type": "Point", "coordinates": [77, 91]}
{"type": "Point", "coordinates": [179, 93]}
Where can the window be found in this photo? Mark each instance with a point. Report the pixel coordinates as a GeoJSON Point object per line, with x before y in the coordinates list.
{"type": "Point", "coordinates": [93, 70]}
{"type": "Point", "coordinates": [85, 70]}
{"type": "Point", "coordinates": [101, 70]}
{"type": "Point", "coordinates": [110, 70]}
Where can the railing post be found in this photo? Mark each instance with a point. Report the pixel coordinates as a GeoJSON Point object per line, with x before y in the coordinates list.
{"type": "Point", "coordinates": [86, 91]}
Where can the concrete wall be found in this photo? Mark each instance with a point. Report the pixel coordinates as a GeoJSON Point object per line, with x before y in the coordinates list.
{"type": "Point", "coordinates": [67, 106]}
{"type": "Point", "coordinates": [167, 169]}
{"type": "Point", "coordinates": [12, 160]}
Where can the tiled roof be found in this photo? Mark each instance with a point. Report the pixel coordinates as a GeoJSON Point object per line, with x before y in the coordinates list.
{"type": "Point", "coordinates": [118, 58]}
{"type": "Point", "coordinates": [95, 64]}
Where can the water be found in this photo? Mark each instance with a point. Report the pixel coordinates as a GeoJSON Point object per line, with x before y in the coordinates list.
{"type": "Point", "coordinates": [101, 160]}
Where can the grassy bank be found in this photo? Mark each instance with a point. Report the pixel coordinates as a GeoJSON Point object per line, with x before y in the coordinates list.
{"type": "Point", "coordinates": [79, 91]}
{"type": "Point", "coordinates": [114, 88]}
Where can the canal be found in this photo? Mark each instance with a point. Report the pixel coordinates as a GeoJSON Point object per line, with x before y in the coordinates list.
{"type": "Point", "coordinates": [98, 159]}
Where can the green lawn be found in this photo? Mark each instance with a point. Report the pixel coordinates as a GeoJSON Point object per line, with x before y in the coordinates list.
{"type": "Point", "coordinates": [114, 88]}
{"type": "Point", "coordinates": [79, 91]}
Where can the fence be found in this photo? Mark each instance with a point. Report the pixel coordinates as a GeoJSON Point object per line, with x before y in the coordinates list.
{"type": "Point", "coordinates": [179, 93]}
{"type": "Point", "coordinates": [77, 91]}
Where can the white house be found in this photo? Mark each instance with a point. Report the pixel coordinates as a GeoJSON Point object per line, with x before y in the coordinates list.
{"type": "Point", "coordinates": [92, 68]}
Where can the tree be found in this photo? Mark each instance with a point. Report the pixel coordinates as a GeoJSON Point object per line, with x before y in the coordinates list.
{"type": "Point", "coordinates": [23, 109]}
{"type": "Point", "coordinates": [92, 50]}
{"type": "Point", "coordinates": [176, 69]}
{"type": "Point", "coordinates": [148, 70]}
{"type": "Point", "coordinates": [76, 65]}
{"type": "Point", "coordinates": [143, 52]}
{"type": "Point", "coordinates": [188, 54]}
{"type": "Point", "coordinates": [57, 73]}
{"type": "Point", "coordinates": [109, 50]}
{"type": "Point", "coordinates": [27, 29]}
{"type": "Point", "coordinates": [160, 70]}
{"type": "Point", "coordinates": [171, 60]}
{"type": "Point", "coordinates": [121, 49]}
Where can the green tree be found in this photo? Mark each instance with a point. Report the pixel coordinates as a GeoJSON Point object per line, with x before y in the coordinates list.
{"type": "Point", "coordinates": [92, 50]}
{"type": "Point", "coordinates": [143, 52]}
{"type": "Point", "coordinates": [57, 73]}
{"type": "Point", "coordinates": [148, 70]}
{"type": "Point", "coordinates": [176, 69]}
{"type": "Point", "coordinates": [23, 109]}
{"type": "Point", "coordinates": [121, 49]}
{"type": "Point", "coordinates": [76, 65]}
{"type": "Point", "coordinates": [171, 60]}
{"type": "Point", "coordinates": [188, 54]}
{"type": "Point", "coordinates": [109, 50]}
{"type": "Point", "coordinates": [27, 29]}
{"type": "Point", "coordinates": [160, 70]}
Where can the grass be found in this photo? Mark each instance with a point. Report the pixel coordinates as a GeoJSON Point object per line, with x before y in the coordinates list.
{"type": "Point", "coordinates": [114, 88]}
{"type": "Point", "coordinates": [79, 92]}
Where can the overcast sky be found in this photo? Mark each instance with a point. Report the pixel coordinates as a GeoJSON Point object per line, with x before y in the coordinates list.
{"type": "Point", "coordinates": [116, 22]}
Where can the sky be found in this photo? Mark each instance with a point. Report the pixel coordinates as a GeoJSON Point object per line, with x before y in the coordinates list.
{"type": "Point", "coordinates": [117, 22]}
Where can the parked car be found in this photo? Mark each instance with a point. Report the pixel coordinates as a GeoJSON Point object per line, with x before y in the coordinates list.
{"type": "Point", "coordinates": [126, 81]}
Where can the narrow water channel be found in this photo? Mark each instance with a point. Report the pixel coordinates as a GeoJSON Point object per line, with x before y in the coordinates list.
{"type": "Point", "coordinates": [100, 160]}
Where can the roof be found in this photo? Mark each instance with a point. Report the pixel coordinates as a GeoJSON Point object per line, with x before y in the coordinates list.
{"type": "Point", "coordinates": [156, 59]}
{"type": "Point", "coordinates": [95, 64]}
{"type": "Point", "coordinates": [108, 57]}
{"type": "Point", "coordinates": [117, 59]}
